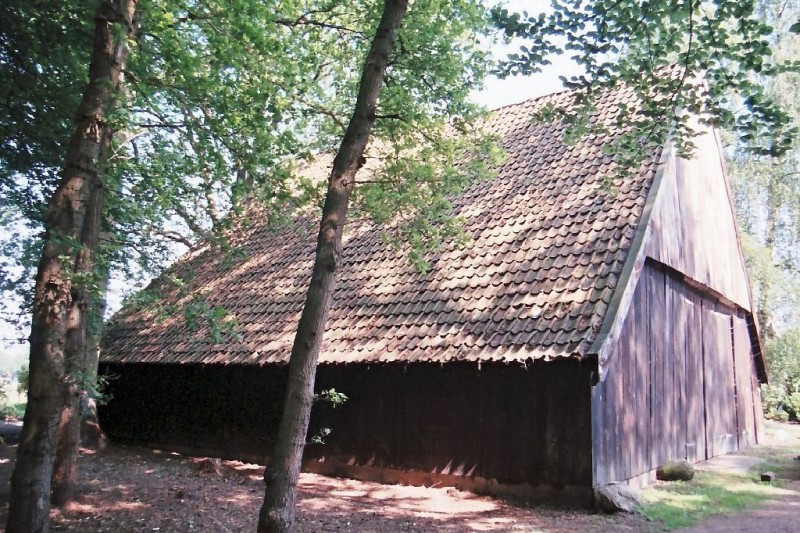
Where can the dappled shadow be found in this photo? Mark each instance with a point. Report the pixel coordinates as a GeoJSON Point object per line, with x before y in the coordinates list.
{"type": "Point", "coordinates": [133, 489]}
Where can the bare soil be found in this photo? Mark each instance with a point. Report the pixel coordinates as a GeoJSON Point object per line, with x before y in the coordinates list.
{"type": "Point", "coordinates": [132, 489]}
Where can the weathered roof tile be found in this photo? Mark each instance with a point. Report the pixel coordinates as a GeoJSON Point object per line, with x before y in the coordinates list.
{"type": "Point", "coordinates": [549, 239]}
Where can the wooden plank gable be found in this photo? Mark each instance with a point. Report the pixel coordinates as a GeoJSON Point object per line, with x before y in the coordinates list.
{"type": "Point", "coordinates": [693, 227]}
{"type": "Point", "coordinates": [678, 360]}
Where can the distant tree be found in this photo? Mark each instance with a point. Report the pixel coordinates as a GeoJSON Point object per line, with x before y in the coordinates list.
{"type": "Point", "coordinates": [767, 191]}
{"type": "Point", "coordinates": [781, 396]}
{"type": "Point", "coordinates": [767, 196]}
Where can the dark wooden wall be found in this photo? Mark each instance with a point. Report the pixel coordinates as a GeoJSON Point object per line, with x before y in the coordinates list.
{"type": "Point", "coordinates": [511, 423]}
{"type": "Point", "coordinates": [681, 382]}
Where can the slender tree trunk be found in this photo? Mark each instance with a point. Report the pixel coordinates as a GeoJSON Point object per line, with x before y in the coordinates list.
{"type": "Point", "coordinates": [91, 434]}
{"type": "Point", "coordinates": [53, 297]}
{"type": "Point", "coordinates": [763, 306]}
{"type": "Point", "coordinates": [277, 512]}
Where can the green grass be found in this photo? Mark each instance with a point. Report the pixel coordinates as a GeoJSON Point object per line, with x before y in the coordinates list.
{"type": "Point", "coordinates": [680, 504]}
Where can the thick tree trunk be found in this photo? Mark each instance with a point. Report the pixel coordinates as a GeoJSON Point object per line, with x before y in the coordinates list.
{"type": "Point", "coordinates": [277, 512]}
{"type": "Point", "coordinates": [53, 297]}
{"type": "Point", "coordinates": [65, 472]}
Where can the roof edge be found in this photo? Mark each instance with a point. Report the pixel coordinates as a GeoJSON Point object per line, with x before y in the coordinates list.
{"type": "Point", "coordinates": [631, 271]}
{"type": "Point", "coordinates": [753, 326]}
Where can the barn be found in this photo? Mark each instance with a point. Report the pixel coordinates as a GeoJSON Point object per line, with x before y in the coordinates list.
{"type": "Point", "coordinates": [593, 328]}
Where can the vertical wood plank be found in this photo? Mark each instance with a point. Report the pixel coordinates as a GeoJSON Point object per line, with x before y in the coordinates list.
{"type": "Point", "coordinates": [599, 435]}
{"type": "Point", "coordinates": [678, 360]}
{"type": "Point", "coordinates": [629, 400]}
{"type": "Point", "coordinates": [695, 380]}
{"type": "Point", "coordinates": [658, 356]}
{"type": "Point", "coordinates": [745, 369]}
{"type": "Point", "coordinates": [720, 401]}
{"type": "Point", "coordinates": [638, 388]}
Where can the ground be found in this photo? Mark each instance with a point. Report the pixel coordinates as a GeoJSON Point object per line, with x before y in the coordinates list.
{"type": "Point", "coordinates": [126, 489]}
{"type": "Point", "coordinates": [133, 489]}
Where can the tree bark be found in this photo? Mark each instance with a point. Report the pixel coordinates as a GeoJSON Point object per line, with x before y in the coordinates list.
{"type": "Point", "coordinates": [65, 472]}
{"type": "Point", "coordinates": [277, 511]}
{"type": "Point", "coordinates": [53, 306]}
{"type": "Point", "coordinates": [763, 307]}
{"type": "Point", "coordinates": [91, 435]}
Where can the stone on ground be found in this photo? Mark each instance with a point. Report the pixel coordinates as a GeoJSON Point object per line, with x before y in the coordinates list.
{"type": "Point", "coordinates": [675, 471]}
{"type": "Point", "coordinates": [614, 498]}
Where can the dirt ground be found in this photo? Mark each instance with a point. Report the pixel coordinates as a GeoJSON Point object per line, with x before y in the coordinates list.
{"type": "Point", "coordinates": [132, 489]}
{"type": "Point", "coordinates": [129, 489]}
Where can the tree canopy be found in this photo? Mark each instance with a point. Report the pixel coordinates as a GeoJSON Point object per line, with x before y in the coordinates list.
{"type": "Point", "coordinates": [682, 58]}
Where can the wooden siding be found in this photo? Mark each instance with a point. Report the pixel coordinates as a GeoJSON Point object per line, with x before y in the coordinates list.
{"type": "Point", "coordinates": [719, 381]}
{"type": "Point", "coordinates": [509, 423]}
{"type": "Point", "coordinates": [693, 227]}
{"type": "Point", "coordinates": [681, 382]}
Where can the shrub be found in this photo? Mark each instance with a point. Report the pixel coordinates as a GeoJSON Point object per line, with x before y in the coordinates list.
{"type": "Point", "coordinates": [15, 410]}
{"type": "Point", "coordinates": [782, 396]}
{"type": "Point", "coordinates": [23, 376]}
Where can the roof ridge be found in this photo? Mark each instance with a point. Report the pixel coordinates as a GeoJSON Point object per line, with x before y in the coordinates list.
{"type": "Point", "coordinates": [530, 100]}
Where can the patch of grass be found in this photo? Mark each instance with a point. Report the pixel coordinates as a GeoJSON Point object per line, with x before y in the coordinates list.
{"type": "Point", "coordinates": [681, 504]}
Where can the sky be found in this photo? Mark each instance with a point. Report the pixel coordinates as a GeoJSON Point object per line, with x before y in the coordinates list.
{"type": "Point", "coordinates": [496, 93]}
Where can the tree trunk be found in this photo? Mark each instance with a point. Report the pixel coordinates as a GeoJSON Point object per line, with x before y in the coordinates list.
{"type": "Point", "coordinates": [763, 307]}
{"type": "Point", "coordinates": [53, 307]}
{"type": "Point", "coordinates": [65, 472]}
{"type": "Point", "coordinates": [277, 511]}
{"type": "Point", "coordinates": [91, 434]}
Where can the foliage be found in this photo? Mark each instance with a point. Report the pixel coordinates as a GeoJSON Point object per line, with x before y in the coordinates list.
{"type": "Point", "coordinates": [676, 56]}
{"type": "Point", "coordinates": [9, 402]}
{"type": "Point", "coordinates": [44, 59]}
{"type": "Point", "coordinates": [331, 396]}
{"type": "Point", "coordinates": [782, 396]}
{"type": "Point", "coordinates": [14, 410]}
{"type": "Point", "coordinates": [94, 386]}
{"type": "Point", "coordinates": [23, 378]}
{"type": "Point", "coordinates": [767, 192]}
{"type": "Point", "coordinates": [427, 143]}
{"type": "Point", "coordinates": [219, 95]}
{"type": "Point", "coordinates": [221, 325]}
{"type": "Point", "coordinates": [221, 99]}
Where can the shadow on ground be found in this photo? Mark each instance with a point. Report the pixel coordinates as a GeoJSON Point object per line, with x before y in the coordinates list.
{"type": "Point", "coordinates": [131, 489]}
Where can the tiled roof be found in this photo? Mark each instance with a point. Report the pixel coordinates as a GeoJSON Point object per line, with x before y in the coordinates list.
{"type": "Point", "coordinates": [549, 239]}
